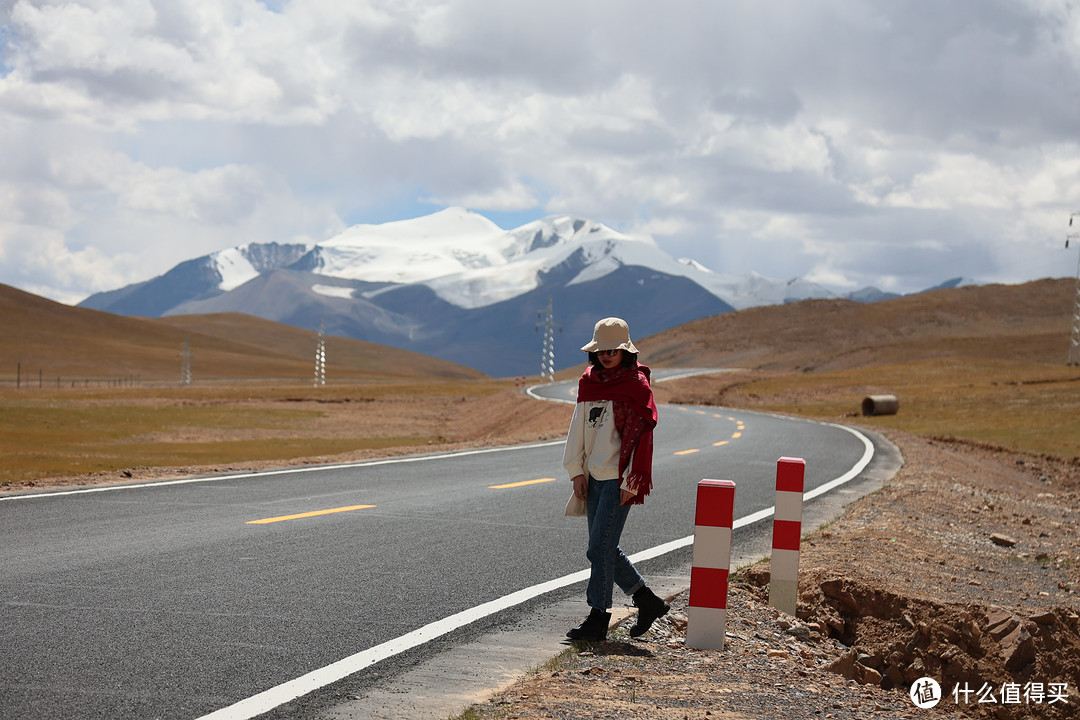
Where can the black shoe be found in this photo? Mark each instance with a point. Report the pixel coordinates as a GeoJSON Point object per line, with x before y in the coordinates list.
{"type": "Point", "coordinates": [594, 629]}
{"type": "Point", "coordinates": [650, 607]}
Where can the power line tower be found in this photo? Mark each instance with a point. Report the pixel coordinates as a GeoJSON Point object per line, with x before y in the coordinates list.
{"type": "Point", "coordinates": [320, 357]}
{"type": "Point", "coordinates": [1074, 338]}
{"type": "Point", "coordinates": [547, 358]}
{"type": "Point", "coordinates": [185, 363]}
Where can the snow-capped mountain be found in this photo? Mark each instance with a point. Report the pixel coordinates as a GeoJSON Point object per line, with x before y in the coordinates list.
{"type": "Point", "coordinates": [455, 285]}
{"type": "Point", "coordinates": [470, 262]}
{"type": "Point", "coordinates": [197, 279]}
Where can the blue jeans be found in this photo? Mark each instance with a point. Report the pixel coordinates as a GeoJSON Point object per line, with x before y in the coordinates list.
{"type": "Point", "coordinates": [609, 564]}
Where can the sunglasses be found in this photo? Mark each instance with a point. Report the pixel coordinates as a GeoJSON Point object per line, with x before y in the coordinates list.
{"type": "Point", "coordinates": [610, 353]}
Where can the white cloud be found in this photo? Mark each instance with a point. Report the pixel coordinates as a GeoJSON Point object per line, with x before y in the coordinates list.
{"type": "Point", "coordinates": [48, 266]}
{"type": "Point", "coordinates": [513, 197]}
{"type": "Point", "coordinates": [868, 143]}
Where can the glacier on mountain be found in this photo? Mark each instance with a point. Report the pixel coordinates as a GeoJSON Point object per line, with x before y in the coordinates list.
{"type": "Point", "coordinates": [470, 262]}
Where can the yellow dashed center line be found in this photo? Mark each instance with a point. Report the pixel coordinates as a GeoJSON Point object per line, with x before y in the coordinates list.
{"type": "Point", "coordinates": [736, 435]}
{"type": "Point", "coordinates": [520, 484]}
{"type": "Point", "coordinates": [722, 442]}
{"type": "Point", "coordinates": [307, 514]}
{"type": "Point", "coordinates": [687, 452]}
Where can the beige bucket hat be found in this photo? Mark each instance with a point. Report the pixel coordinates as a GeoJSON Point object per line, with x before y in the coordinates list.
{"type": "Point", "coordinates": [611, 334]}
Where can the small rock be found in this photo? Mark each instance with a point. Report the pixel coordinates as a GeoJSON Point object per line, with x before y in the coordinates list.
{"type": "Point", "coordinates": [1018, 649]}
{"type": "Point", "coordinates": [1002, 540]}
{"type": "Point", "coordinates": [999, 623]}
{"type": "Point", "coordinates": [867, 676]}
{"type": "Point", "coordinates": [950, 652]}
{"type": "Point", "coordinates": [844, 665]}
{"type": "Point", "coordinates": [970, 629]}
{"type": "Point", "coordinates": [678, 621]}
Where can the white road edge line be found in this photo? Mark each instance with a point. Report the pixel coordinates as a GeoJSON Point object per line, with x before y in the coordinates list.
{"type": "Point", "coordinates": [269, 699]}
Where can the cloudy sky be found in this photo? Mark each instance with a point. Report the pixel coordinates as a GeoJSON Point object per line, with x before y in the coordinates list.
{"type": "Point", "coordinates": [854, 143]}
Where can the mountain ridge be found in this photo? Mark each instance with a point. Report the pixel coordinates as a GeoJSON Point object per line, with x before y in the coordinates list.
{"type": "Point", "coordinates": [60, 344]}
{"type": "Point", "coordinates": [456, 286]}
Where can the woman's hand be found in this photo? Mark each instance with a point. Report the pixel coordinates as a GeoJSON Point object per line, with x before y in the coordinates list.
{"type": "Point", "coordinates": [581, 486]}
{"type": "Point", "coordinates": [626, 497]}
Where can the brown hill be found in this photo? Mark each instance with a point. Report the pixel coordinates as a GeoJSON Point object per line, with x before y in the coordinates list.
{"type": "Point", "coordinates": [71, 343]}
{"type": "Point", "coordinates": [1028, 323]}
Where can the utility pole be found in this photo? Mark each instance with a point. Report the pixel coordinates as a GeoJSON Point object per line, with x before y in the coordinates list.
{"type": "Point", "coordinates": [547, 358]}
{"type": "Point", "coordinates": [185, 363]}
{"type": "Point", "coordinates": [320, 357]}
{"type": "Point", "coordinates": [1074, 338]}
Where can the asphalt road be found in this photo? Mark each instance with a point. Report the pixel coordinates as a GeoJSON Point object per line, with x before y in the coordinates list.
{"type": "Point", "coordinates": [166, 600]}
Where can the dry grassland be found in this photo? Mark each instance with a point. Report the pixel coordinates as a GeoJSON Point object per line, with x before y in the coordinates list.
{"type": "Point", "coordinates": [1030, 407]}
{"type": "Point", "coordinates": [56, 437]}
{"type": "Point", "coordinates": [980, 363]}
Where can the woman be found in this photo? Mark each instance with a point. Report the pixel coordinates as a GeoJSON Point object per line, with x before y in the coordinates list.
{"type": "Point", "coordinates": [609, 458]}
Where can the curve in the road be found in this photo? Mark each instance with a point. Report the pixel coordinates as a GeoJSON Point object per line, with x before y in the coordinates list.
{"type": "Point", "coordinates": [322, 677]}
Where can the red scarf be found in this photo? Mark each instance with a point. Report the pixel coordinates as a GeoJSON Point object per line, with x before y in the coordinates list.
{"type": "Point", "coordinates": [635, 417]}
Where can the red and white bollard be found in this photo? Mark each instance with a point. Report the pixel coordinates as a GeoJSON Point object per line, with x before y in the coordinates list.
{"type": "Point", "coordinates": [707, 612]}
{"type": "Point", "coordinates": [787, 531]}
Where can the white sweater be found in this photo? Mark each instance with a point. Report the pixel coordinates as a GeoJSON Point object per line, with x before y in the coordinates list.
{"type": "Point", "coordinates": [593, 443]}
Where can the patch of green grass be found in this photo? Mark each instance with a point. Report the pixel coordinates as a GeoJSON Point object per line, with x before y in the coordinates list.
{"type": "Point", "coordinates": [566, 660]}
{"type": "Point", "coordinates": [470, 713]}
